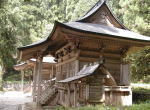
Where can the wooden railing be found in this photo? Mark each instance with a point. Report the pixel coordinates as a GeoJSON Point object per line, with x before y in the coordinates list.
{"type": "Point", "coordinates": [48, 93]}
{"type": "Point", "coordinates": [47, 84]}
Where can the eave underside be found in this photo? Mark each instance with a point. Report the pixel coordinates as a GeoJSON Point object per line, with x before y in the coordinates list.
{"type": "Point", "coordinates": [77, 31]}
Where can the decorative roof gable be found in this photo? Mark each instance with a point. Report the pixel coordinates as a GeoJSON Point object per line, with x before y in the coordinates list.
{"type": "Point", "coordinates": [101, 14]}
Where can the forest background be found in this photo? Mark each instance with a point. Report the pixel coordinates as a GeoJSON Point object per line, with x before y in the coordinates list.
{"type": "Point", "coordinates": [23, 22]}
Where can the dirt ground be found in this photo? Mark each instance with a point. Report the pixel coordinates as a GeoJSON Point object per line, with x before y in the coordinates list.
{"type": "Point", "coordinates": [14, 100]}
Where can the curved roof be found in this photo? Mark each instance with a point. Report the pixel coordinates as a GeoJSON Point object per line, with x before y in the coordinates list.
{"type": "Point", "coordinates": [89, 28]}
{"type": "Point", "coordinates": [26, 65]}
{"type": "Point", "coordinates": [95, 29]}
{"type": "Point", "coordinates": [106, 30]}
{"type": "Point", "coordinates": [95, 9]}
{"type": "Point", "coordinates": [21, 66]}
{"type": "Point", "coordinates": [36, 43]}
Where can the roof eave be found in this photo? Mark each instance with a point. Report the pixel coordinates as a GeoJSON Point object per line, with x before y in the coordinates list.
{"type": "Point", "coordinates": [113, 36]}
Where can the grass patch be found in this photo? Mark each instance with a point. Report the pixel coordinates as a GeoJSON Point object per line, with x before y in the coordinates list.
{"type": "Point", "coordinates": [141, 106]}
{"type": "Point", "coordinates": [143, 90]}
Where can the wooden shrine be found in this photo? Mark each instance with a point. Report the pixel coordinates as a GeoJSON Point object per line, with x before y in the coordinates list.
{"type": "Point", "coordinates": [89, 53]}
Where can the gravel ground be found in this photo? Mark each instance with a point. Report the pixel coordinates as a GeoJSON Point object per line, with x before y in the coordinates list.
{"type": "Point", "coordinates": [14, 100]}
{"type": "Point", "coordinates": [140, 85]}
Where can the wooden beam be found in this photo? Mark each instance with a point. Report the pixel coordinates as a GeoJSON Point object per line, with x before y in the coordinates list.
{"type": "Point", "coordinates": [64, 62]}
{"type": "Point", "coordinates": [82, 35]}
{"type": "Point", "coordinates": [97, 52]}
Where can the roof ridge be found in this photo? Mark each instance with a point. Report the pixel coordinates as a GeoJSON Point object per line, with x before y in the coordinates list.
{"type": "Point", "coordinates": [95, 8]}
{"type": "Point", "coordinates": [99, 3]}
{"type": "Point", "coordinates": [117, 18]}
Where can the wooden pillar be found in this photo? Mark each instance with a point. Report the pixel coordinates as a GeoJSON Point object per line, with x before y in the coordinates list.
{"type": "Point", "coordinates": [75, 95]}
{"type": "Point", "coordinates": [68, 70]}
{"type": "Point", "coordinates": [77, 68]}
{"type": "Point", "coordinates": [52, 71]}
{"type": "Point", "coordinates": [35, 81]}
{"type": "Point", "coordinates": [103, 91]}
{"type": "Point", "coordinates": [69, 103]}
{"type": "Point", "coordinates": [87, 92]}
{"type": "Point", "coordinates": [39, 78]}
{"type": "Point", "coordinates": [22, 79]}
{"type": "Point", "coordinates": [111, 97]}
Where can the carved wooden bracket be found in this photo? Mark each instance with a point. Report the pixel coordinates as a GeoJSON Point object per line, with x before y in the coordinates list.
{"type": "Point", "coordinates": [66, 50]}
{"type": "Point", "coordinates": [123, 50]}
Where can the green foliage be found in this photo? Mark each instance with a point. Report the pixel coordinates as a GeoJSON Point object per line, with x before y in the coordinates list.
{"type": "Point", "coordinates": [8, 38]}
{"type": "Point", "coordinates": [116, 8]}
{"type": "Point", "coordinates": [133, 13]}
{"type": "Point", "coordinates": [140, 64]}
{"type": "Point", "coordinates": [13, 77]}
{"type": "Point", "coordinates": [81, 7]}
{"type": "Point", "coordinates": [136, 15]}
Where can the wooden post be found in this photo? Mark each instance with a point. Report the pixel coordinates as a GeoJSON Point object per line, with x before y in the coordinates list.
{"type": "Point", "coordinates": [22, 79]}
{"type": "Point", "coordinates": [35, 81]}
{"type": "Point", "coordinates": [69, 95]}
{"type": "Point", "coordinates": [77, 67]}
{"type": "Point", "coordinates": [68, 75]}
{"type": "Point", "coordinates": [52, 72]}
{"type": "Point", "coordinates": [87, 92]}
{"type": "Point", "coordinates": [103, 94]}
{"type": "Point", "coordinates": [39, 74]}
{"type": "Point", "coordinates": [111, 97]}
{"type": "Point", "coordinates": [75, 94]}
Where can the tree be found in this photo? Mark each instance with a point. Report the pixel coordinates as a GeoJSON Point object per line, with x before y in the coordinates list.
{"type": "Point", "coordinates": [136, 15]}
{"type": "Point", "coordinates": [140, 64]}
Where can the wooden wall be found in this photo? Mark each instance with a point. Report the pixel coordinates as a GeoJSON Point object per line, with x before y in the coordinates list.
{"type": "Point", "coordinates": [96, 90]}
{"type": "Point", "coordinates": [66, 70]}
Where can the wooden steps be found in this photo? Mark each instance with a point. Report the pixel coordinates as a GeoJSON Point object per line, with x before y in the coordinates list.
{"type": "Point", "coordinates": [48, 94]}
